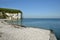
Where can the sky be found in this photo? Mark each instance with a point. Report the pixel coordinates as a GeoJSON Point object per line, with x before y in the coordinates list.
{"type": "Point", "coordinates": [34, 8]}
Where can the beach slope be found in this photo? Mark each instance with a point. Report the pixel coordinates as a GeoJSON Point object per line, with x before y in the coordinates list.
{"type": "Point", "coordinates": [9, 32]}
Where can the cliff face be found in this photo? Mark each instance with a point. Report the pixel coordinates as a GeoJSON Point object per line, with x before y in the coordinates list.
{"type": "Point", "coordinates": [10, 13]}
{"type": "Point", "coordinates": [13, 16]}
{"type": "Point", "coordinates": [3, 15]}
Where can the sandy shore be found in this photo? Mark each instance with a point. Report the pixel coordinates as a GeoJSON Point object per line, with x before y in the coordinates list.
{"type": "Point", "coordinates": [9, 32]}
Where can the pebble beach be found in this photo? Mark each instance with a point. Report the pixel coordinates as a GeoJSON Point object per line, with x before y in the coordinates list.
{"type": "Point", "coordinates": [11, 32]}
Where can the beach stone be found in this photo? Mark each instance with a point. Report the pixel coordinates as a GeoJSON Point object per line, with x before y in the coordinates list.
{"type": "Point", "coordinates": [9, 32]}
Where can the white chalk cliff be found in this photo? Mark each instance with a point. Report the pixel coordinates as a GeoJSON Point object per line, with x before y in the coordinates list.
{"type": "Point", "coordinates": [13, 15]}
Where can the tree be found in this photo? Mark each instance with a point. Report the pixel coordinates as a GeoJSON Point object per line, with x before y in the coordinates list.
{"type": "Point", "coordinates": [4, 15]}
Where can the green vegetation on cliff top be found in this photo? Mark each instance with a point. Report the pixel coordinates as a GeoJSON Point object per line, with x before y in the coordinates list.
{"type": "Point", "coordinates": [7, 10]}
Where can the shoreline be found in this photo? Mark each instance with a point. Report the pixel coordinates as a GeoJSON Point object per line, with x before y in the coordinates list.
{"type": "Point", "coordinates": [8, 31]}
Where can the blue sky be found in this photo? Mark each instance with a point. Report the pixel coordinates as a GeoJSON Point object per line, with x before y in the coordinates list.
{"type": "Point", "coordinates": [34, 8]}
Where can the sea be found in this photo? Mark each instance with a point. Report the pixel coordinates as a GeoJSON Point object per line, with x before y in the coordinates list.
{"type": "Point", "coordinates": [44, 23]}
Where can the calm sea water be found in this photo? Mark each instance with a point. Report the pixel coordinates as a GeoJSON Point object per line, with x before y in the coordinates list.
{"type": "Point", "coordinates": [46, 23]}
{"type": "Point", "coordinates": [53, 24]}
